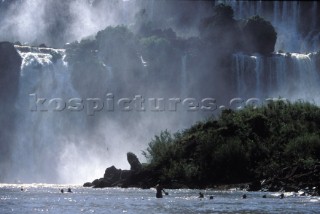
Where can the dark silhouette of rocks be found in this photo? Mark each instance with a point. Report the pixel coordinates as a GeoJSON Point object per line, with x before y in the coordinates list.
{"type": "Point", "coordinates": [291, 179]}
{"type": "Point", "coordinates": [135, 177]}
{"type": "Point", "coordinates": [134, 162]}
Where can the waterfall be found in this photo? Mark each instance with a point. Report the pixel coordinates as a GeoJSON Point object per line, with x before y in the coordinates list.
{"type": "Point", "coordinates": [285, 16]}
{"type": "Point", "coordinates": [239, 67]}
{"type": "Point", "coordinates": [184, 77]}
{"type": "Point", "coordinates": [314, 14]}
{"type": "Point", "coordinates": [307, 81]}
{"type": "Point", "coordinates": [276, 12]}
{"type": "Point", "coordinates": [248, 70]}
{"type": "Point", "coordinates": [152, 10]}
{"type": "Point", "coordinates": [258, 73]}
{"type": "Point", "coordinates": [293, 76]}
{"type": "Point", "coordinates": [277, 75]}
{"type": "Point", "coordinates": [44, 139]}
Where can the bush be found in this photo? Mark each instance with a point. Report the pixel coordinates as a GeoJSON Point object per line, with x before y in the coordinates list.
{"type": "Point", "coordinates": [304, 147]}
{"type": "Point", "coordinates": [240, 146]}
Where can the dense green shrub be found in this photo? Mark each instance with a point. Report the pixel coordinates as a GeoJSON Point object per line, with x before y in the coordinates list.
{"type": "Point", "coordinates": [243, 145]}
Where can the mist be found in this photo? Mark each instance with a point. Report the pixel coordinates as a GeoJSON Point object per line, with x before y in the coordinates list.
{"type": "Point", "coordinates": [157, 49]}
{"type": "Point", "coordinates": [57, 22]}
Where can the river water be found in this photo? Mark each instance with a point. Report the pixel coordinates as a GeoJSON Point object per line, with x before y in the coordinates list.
{"type": "Point", "coordinates": [47, 198]}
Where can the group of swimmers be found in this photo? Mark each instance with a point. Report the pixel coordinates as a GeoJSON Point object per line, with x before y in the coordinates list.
{"type": "Point", "coordinates": [69, 190]}
{"type": "Point", "coordinates": [160, 189]}
{"type": "Point", "coordinates": [244, 196]}
{"type": "Point", "coordinates": [62, 190]}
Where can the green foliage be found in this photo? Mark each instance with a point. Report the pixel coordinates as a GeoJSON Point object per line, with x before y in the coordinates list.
{"type": "Point", "coordinates": [160, 148]}
{"type": "Point", "coordinates": [304, 147]}
{"type": "Point", "coordinates": [243, 145]}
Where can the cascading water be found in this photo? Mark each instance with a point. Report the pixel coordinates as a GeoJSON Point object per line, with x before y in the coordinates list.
{"type": "Point", "coordinates": [248, 72]}
{"type": "Point", "coordinates": [258, 73]}
{"type": "Point", "coordinates": [43, 145]}
{"type": "Point", "coordinates": [184, 76]}
{"type": "Point", "coordinates": [285, 16]}
{"type": "Point", "coordinates": [55, 146]}
{"type": "Point", "coordinates": [308, 78]}
{"type": "Point", "coordinates": [290, 75]}
{"type": "Point", "coordinates": [70, 146]}
{"type": "Point", "coordinates": [293, 76]}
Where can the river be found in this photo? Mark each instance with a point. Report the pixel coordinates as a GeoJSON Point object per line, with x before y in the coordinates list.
{"type": "Point", "coordinates": [47, 198]}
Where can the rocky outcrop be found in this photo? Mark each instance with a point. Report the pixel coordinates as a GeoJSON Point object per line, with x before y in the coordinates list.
{"type": "Point", "coordinates": [290, 179]}
{"type": "Point", "coordinates": [134, 162]}
{"type": "Point", "coordinates": [259, 35]}
{"type": "Point", "coordinates": [137, 176]}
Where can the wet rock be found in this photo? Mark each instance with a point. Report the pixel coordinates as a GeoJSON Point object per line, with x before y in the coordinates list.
{"type": "Point", "coordinates": [134, 162]}
{"type": "Point", "coordinates": [101, 183]}
{"type": "Point", "coordinates": [112, 174]}
{"type": "Point", "coordinates": [260, 35]}
{"type": "Point", "coordinates": [88, 184]}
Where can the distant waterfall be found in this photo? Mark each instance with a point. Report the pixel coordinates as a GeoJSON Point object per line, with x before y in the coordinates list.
{"type": "Point", "coordinates": [293, 76]}
{"type": "Point", "coordinates": [152, 10]}
{"type": "Point", "coordinates": [285, 17]}
{"type": "Point", "coordinates": [258, 73]}
{"type": "Point", "coordinates": [308, 77]}
{"type": "Point", "coordinates": [248, 72]}
{"type": "Point", "coordinates": [184, 76]}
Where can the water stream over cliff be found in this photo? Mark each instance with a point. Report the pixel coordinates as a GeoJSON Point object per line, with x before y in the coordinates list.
{"type": "Point", "coordinates": [53, 144]}
{"type": "Point", "coordinates": [293, 76]}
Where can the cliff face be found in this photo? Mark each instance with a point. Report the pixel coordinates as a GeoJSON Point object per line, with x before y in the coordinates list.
{"type": "Point", "coordinates": [10, 63]}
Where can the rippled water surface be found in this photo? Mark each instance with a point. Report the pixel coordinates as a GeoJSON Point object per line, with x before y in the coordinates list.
{"type": "Point", "coordinates": [46, 198]}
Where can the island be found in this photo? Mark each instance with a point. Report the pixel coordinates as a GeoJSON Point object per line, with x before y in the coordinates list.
{"type": "Point", "coordinates": [273, 147]}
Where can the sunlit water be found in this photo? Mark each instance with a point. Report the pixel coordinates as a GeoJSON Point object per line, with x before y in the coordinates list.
{"type": "Point", "coordinates": [46, 198]}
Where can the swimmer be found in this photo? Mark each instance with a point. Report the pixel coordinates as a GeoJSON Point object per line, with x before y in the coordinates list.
{"type": "Point", "coordinates": [281, 196]}
{"type": "Point", "coordinates": [201, 195]}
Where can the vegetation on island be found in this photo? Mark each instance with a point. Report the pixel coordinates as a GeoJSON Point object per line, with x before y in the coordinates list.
{"type": "Point", "coordinates": [274, 147]}
{"type": "Point", "coordinates": [241, 146]}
